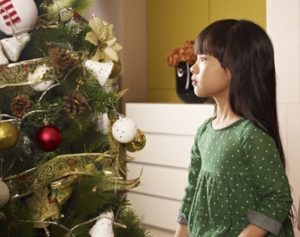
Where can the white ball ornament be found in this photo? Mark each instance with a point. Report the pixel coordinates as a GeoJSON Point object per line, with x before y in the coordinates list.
{"type": "Point", "coordinates": [124, 130]}
{"type": "Point", "coordinates": [36, 78]}
{"type": "Point", "coordinates": [4, 193]}
{"type": "Point", "coordinates": [17, 16]}
{"type": "Point", "coordinates": [42, 86]}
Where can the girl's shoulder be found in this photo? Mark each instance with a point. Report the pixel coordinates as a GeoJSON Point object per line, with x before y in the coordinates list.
{"type": "Point", "coordinates": [249, 128]}
{"type": "Point", "coordinates": [204, 125]}
{"type": "Point", "coordinates": [255, 133]}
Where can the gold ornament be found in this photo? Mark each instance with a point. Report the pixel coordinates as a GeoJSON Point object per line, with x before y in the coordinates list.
{"type": "Point", "coordinates": [138, 143]}
{"type": "Point", "coordinates": [9, 135]}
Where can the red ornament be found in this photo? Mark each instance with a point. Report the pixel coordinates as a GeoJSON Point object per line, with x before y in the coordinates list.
{"type": "Point", "coordinates": [48, 137]}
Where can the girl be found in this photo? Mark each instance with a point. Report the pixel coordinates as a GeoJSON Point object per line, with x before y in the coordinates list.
{"type": "Point", "coordinates": [237, 183]}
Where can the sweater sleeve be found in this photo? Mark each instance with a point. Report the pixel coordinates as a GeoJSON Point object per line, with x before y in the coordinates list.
{"type": "Point", "coordinates": [270, 181]}
{"type": "Point", "coordinates": [193, 171]}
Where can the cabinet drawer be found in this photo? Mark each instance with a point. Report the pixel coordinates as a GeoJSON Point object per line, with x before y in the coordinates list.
{"type": "Point", "coordinates": [166, 150]}
{"type": "Point", "coordinates": [155, 211]}
{"type": "Point", "coordinates": [159, 181]}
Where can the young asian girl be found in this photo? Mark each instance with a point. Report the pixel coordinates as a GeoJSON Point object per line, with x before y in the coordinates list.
{"type": "Point", "coordinates": [237, 185]}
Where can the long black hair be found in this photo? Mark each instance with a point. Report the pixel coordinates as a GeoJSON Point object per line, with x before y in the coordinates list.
{"type": "Point", "coordinates": [245, 49]}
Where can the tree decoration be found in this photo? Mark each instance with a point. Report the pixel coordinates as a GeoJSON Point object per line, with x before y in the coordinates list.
{"type": "Point", "coordinates": [102, 123]}
{"type": "Point", "coordinates": [124, 130]}
{"type": "Point", "coordinates": [103, 38]}
{"type": "Point", "coordinates": [29, 72]}
{"type": "Point", "coordinates": [60, 83]}
{"type": "Point", "coordinates": [13, 46]}
{"type": "Point", "coordinates": [101, 71]}
{"type": "Point", "coordinates": [55, 7]}
{"type": "Point", "coordinates": [20, 105]}
{"type": "Point", "coordinates": [3, 58]}
{"type": "Point", "coordinates": [42, 77]}
{"type": "Point", "coordinates": [61, 58]}
{"type": "Point", "coordinates": [103, 226]}
{"type": "Point", "coordinates": [9, 135]}
{"type": "Point", "coordinates": [75, 103]}
{"type": "Point", "coordinates": [18, 18]}
{"type": "Point", "coordinates": [138, 143]}
{"type": "Point", "coordinates": [4, 193]}
{"type": "Point", "coordinates": [48, 137]}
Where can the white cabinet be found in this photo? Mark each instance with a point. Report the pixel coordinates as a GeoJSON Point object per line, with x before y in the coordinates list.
{"type": "Point", "coordinates": [169, 130]}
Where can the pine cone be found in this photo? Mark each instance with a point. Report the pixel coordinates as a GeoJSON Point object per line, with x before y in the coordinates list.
{"type": "Point", "coordinates": [75, 103]}
{"type": "Point", "coordinates": [61, 59]}
{"type": "Point", "coordinates": [20, 105]}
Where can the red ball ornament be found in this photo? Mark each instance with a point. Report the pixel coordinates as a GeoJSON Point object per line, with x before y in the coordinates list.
{"type": "Point", "coordinates": [48, 137]}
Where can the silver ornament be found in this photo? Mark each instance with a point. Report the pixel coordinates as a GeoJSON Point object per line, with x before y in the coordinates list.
{"type": "Point", "coordinates": [4, 193]}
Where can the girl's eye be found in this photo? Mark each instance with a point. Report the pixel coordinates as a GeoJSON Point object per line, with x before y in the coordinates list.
{"type": "Point", "coordinates": [202, 58]}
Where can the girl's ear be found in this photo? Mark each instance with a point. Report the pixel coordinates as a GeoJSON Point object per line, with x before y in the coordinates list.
{"type": "Point", "coordinates": [228, 72]}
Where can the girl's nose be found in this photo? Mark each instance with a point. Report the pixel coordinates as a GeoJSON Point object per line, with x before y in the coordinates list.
{"type": "Point", "coordinates": [193, 69]}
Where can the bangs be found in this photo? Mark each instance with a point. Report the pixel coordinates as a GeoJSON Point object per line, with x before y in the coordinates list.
{"type": "Point", "coordinates": [205, 45]}
{"type": "Point", "coordinates": [213, 40]}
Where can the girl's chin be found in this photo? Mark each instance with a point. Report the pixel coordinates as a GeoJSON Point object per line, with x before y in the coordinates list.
{"type": "Point", "coordinates": [201, 94]}
{"type": "Point", "coordinates": [198, 92]}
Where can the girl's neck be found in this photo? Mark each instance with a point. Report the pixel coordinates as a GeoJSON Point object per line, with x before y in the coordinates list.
{"type": "Point", "coordinates": [224, 114]}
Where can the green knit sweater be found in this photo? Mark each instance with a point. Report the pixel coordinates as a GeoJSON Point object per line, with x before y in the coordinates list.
{"type": "Point", "coordinates": [235, 178]}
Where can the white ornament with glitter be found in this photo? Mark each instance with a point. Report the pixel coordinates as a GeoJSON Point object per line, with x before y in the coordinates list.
{"type": "Point", "coordinates": [101, 71]}
{"type": "Point", "coordinates": [104, 226]}
{"type": "Point", "coordinates": [124, 130]}
{"type": "Point", "coordinates": [13, 46]}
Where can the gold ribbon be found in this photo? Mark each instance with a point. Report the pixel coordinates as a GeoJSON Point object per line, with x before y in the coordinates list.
{"type": "Point", "coordinates": [16, 74]}
{"type": "Point", "coordinates": [41, 208]}
{"type": "Point", "coordinates": [61, 167]}
{"type": "Point", "coordinates": [56, 177]}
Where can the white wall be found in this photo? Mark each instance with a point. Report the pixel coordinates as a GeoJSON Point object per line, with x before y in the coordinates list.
{"type": "Point", "coordinates": [283, 26]}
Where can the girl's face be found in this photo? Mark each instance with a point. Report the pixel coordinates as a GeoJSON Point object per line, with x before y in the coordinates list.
{"type": "Point", "coordinates": [209, 78]}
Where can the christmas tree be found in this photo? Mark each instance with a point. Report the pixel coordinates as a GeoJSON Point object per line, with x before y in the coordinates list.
{"type": "Point", "coordinates": [63, 144]}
